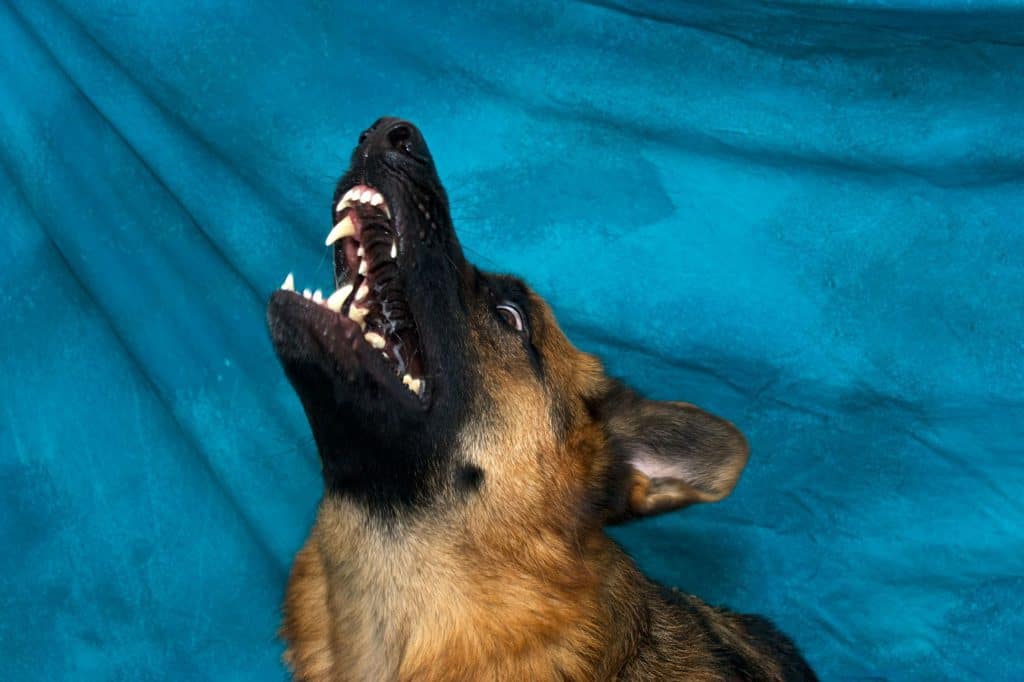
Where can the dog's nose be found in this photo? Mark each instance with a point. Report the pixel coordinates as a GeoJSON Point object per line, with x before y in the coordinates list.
{"type": "Point", "coordinates": [393, 135]}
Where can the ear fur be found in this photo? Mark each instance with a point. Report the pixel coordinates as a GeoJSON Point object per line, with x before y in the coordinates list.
{"type": "Point", "coordinates": [668, 455]}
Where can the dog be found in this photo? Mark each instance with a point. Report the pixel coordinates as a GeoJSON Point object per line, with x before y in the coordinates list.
{"type": "Point", "coordinates": [472, 458]}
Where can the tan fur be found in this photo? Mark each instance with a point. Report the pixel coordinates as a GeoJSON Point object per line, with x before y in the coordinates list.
{"type": "Point", "coordinates": [518, 582]}
{"type": "Point", "coordinates": [307, 624]}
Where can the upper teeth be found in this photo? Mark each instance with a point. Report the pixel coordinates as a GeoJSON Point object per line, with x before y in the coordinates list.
{"type": "Point", "coordinates": [363, 195]}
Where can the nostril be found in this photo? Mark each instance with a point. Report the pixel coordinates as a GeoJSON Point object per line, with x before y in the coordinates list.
{"type": "Point", "coordinates": [362, 136]}
{"type": "Point", "coordinates": [400, 137]}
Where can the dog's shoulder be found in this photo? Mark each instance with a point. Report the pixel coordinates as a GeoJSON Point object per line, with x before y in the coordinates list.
{"type": "Point", "coordinates": [736, 646]}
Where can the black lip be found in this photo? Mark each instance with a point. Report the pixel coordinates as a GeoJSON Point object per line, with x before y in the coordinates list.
{"type": "Point", "coordinates": [307, 334]}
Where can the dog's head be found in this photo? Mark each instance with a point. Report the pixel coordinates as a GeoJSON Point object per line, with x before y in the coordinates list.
{"type": "Point", "coordinates": [435, 388]}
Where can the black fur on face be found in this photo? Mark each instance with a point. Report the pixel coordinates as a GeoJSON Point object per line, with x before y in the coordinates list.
{"type": "Point", "coordinates": [382, 441]}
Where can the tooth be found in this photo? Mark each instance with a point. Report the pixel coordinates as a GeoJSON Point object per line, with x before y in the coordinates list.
{"type": "Point", "coordinates": [318, 296]}
{"type": "Point", "coordinates": [374, 339]}
{"type": "Point", "coordinates": [413, 384]}
{"type": "Point", "coordinates": [387, 211]}
{"type": "Point", "coordinates": [335, 300]}
{"type": "Point", "coordinates": [350, 198]}
{"type": "Point", "coordinates": [362, 267]}
{"type": "Point", "coordinates": [342, 205]}
{"type": "Point", "coordinates": [394, 249]}
{"type": "Point", "coordinates": [362, 292]}
{"type": "Point", "coordinates": [360, 252]}
{"type": "Point", "coordinates": [289, 283]}
{"type": "Point", "coordinates": [306, 293]}
{"type": "Point", "coordinates": [343, 229]}
{"type": "Point", "coordinates": [357, 314]}
{"type": "Point", "coordinates": [376, 199]}
{"type": "Point", "coordinates": [365, 196]}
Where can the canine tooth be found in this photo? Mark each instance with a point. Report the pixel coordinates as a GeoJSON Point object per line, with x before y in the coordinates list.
{"type": "Point", "coordinates": [387, 211]}
{"type": "Point", "coordinates": [343, 229]}
{"type": "Point", "coordinates": [335, 300]}
{"type": "Point", "coordinates": [374, 339]}
{"type": "Point", "coordinates": [413, 384]}
{"type": "Point", "coordinates": [376, 199]}
{"type": "Point", "coordinates": [318, 296]}
{"type": "Point", "coordinates": [289, 283]}
{"type": "Point", "coordinates": [394, 249]}
{"type": "Point", "coordinates": [360, 252]}
{"type": "Point", "coordinates": [306, 293]}
{"type": "Point", "coordinates": [365, 196]}
{"type": "Point", "coordinates": [362, 267]}
{"type": "Point", "coordinates": [362, 292]}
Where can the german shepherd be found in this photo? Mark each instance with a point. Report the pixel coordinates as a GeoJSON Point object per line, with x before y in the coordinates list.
{"type": "Point", "coordinates": [472, 457]}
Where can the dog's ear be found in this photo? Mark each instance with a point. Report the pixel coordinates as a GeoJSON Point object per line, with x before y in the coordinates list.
{"type": "Point", "coordinates": [666, 455]}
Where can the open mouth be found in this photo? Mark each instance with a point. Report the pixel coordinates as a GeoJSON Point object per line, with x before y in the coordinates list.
{"type": "Point", "coordinates": [368, 306]}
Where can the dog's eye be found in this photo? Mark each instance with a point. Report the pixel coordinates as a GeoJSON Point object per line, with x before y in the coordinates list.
{"type": "Point", "coordinates": [511, 315]}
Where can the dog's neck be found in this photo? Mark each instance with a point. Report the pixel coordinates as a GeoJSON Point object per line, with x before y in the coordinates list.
{"type": "Point", "coordinates": [430, 604]}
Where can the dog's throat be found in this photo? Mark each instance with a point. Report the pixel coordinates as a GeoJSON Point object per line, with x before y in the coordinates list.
{"type": "Point", "coordinates": [407, 610]}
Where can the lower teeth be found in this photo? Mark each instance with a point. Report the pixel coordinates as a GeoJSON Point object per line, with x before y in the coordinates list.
{"type": "Point", "coordinates": [357, 314]}
{"type": "Point", "coordinates": [414, 385]}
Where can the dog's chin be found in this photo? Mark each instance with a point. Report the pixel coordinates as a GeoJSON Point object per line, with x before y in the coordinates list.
{"type": "Point", "coordinates": [367, 424]}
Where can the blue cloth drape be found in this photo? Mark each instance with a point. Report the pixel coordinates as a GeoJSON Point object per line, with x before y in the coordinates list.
{"type": "Point", "coordinates": [804, 216]}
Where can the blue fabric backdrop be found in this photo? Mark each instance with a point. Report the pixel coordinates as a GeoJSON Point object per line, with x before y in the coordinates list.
{"type": "Point", "coordinates": [805, 216]}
